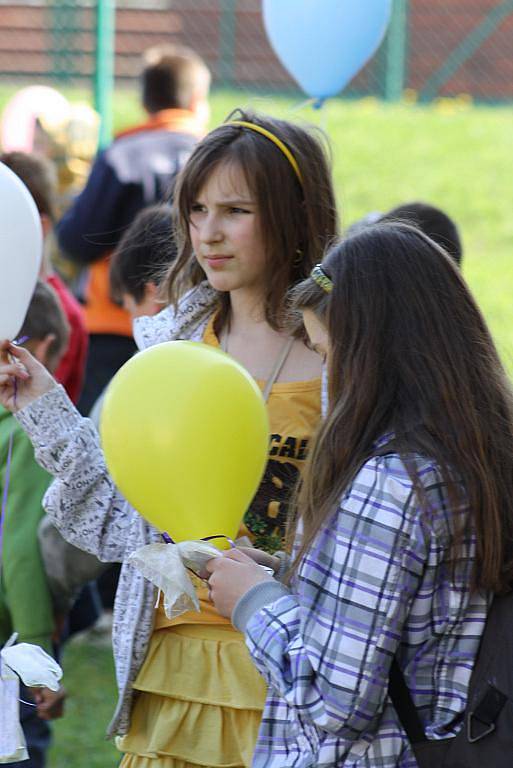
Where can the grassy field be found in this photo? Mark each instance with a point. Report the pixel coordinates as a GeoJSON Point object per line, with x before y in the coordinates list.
{"type": "Point", "coordinates": [452, 154]}
{"type": "Point", "coordinates": [79, 737]}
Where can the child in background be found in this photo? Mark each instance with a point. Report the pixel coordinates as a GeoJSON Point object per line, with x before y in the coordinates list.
{"type": "Point", "coordinates": [39, 176]}
{"type": "Point", "coordinates": [256, 209]}
{"type": "Point", "coordinates": [431, 220]}
{"type": "Point", "coordinates": [145, 252]}
{"type": "Point", "coordinates": [142, 257]}
{"type": "Point", "coordinates": [404, 518]}
{"type": "Point", "coordinates": [25, 602]}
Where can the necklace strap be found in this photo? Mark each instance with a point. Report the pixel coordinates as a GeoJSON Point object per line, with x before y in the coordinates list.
{"type": "Point", "coordinates": [277, 367]}
{"type": "Point", "coordinates": [280, 362]}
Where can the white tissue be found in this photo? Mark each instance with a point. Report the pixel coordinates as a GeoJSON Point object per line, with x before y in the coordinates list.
{"type": "Point", "coordinates": [165, 566]}
{"type": "Point", "coordinates": [12, 740]}
{"type": "Point", "coordinates": [33, 665]}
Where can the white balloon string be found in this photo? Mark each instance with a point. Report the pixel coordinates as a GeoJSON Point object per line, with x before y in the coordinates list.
{"type": "Point", "coordinates": [301, 105]}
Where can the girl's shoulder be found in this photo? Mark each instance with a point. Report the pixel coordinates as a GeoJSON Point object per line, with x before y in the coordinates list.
{"type": "Point", "coordinates": [412, 486]}
{"type": "Point", "coordinates": [171, 323]}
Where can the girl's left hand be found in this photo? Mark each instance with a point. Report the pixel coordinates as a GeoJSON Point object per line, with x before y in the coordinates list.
{"type": "Point", "coordinates": [232, 575]}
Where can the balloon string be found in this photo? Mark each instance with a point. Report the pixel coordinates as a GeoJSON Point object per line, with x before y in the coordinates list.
{"type": "Point", "coordinates": [303, 104]}
{"type": "Point", "coordinates": [167, 538]}
{"type": "Point", "coordinates": [7, 476]}
{"type": "Point", "coordinates": [6, 490]}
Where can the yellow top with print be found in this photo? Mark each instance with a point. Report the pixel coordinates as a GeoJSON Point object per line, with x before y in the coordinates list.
{"type": "Point", "coordinates": [294, 410]}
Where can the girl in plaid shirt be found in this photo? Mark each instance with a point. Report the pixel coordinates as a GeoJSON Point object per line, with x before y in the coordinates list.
{"type": "Point", "coordinates": [396, 550]}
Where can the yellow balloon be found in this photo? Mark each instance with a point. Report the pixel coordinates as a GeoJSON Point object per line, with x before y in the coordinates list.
{"type": "Point", "coordinates": [185, 434]}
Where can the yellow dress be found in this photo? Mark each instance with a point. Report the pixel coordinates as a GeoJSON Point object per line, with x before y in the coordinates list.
{"type": "Point", "coordinates": [199, 699]}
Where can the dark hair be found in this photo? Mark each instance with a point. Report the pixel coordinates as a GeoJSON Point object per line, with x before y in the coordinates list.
{"type": "Point", "coordinates": [39, 176]}
{"type": "Point", "coordinates": [297, 220]}
{"type": "Point", "coordinates": [410, 352]}
{"type": "Point", "coordinates": [45, 315]}
{"type": "Point", "coordinates": [146, 248]}
{"type": "Point", "coordinates": [172, 76]}
{"type": "Point", "coordinates": [434, 222]}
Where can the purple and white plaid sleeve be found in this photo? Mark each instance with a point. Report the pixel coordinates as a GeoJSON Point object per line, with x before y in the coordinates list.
{"type": "Point", "coordinates": [374, 584]}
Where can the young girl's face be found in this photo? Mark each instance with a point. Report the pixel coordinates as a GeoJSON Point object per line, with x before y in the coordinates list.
{"type": "Point", "coordinates": [317, 333]}
{"type": "Point", "coordinates": [225, 231]}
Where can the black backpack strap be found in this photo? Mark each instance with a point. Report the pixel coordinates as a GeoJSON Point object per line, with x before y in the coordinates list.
{"type": "Point", "coordinates": [481, 720]}
{"type": "Point", "coordinates": [404, 705]}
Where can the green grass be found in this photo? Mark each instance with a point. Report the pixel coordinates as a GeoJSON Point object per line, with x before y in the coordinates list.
{"type": "Point", "coordinates": [79, 737]}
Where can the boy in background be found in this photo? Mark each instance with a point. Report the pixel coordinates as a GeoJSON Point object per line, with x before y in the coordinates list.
{"type": "Point", "coordinates": [25, 602]}
{"type": "Point", "coordinates": [434, 222]}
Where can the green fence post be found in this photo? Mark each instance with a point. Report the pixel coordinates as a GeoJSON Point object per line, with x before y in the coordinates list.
{"type": "Point", "coordinates": [396, 43]}
{"type": "Point", "coordinates": [104, 71]}
{"type": "Point", "coordinates": [227, 32]}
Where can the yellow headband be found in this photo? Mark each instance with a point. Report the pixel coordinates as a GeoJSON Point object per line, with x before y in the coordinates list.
{"type": "Point", "coordinates": [275, 140]}
{"type": "Point", "coordinates": [320, 277]}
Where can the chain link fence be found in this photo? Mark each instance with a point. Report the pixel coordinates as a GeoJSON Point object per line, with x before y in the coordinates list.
{"type": "Point", "coordinates": [434, 48]}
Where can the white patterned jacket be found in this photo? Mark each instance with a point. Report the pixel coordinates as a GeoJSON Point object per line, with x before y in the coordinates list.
{"type": "Point", "coordinates": [85, 505]}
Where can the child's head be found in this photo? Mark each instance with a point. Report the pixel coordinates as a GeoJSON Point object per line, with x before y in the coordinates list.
{"type": "Point", "coordinates": [175, 77]}
{"type": "Point", "coordinates": [136, 266]}
{"type": "Point", "coordinates": [45, 327]}
{"type": "Point", "coordinates": [40, 177]}
{"type": "Point", "coordinates": [409, 353]}
{"type": "Point", "coordinates": [434, 222]}
{"type": "Point", "coordinates": [255, 208]}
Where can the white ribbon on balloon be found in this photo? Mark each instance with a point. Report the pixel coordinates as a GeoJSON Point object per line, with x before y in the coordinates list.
{"type": "Point", "coordinates": [165, 566]}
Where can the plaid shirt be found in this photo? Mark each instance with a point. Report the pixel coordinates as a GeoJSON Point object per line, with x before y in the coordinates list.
{"type": "Point", "coordinates": [376, 582]}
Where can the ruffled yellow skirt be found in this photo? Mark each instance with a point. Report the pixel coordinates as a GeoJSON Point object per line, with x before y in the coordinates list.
{"type": "Point", "coordinates": [199, 701]}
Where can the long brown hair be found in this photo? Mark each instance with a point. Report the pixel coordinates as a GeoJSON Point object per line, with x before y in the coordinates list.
{"type": "Point", "coordinates": [411, 353]}
{"type": "Point", "coordinates": [297, 219]}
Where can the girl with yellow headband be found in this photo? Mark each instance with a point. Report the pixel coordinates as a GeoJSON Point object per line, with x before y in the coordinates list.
{"type": "Point", "coordinates": [255, 210]}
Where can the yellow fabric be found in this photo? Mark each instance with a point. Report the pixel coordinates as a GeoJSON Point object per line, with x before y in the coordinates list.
{"type": "Point", "coordinates": [294, 410]}
{"type": "Point", "coordinates": [200, 699]}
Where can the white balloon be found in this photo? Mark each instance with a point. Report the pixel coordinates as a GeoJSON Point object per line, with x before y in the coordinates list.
{"type": "Point", "coordinates": [21, 248]}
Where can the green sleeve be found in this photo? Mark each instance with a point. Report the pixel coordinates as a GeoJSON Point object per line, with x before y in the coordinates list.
{"type": "Point", "coordinates": [24, 589]}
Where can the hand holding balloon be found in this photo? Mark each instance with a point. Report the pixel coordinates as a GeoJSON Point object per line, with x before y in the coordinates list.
{"type": "Point", "coordinates": [22, 378]}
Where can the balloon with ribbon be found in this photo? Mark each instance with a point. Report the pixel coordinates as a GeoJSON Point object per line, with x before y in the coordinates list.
{"type": "Point", "coordinates": [185, 435]}
{"type": "Point", "coordinates": [21, 247]}
{"type": "Point", "coordinates": [18, 125]}
{"type": "Point", "coordinates": [324, 43]}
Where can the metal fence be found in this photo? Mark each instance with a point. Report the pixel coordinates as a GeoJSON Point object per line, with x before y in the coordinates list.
{"type": "Point", "coordinates": [433, 47]}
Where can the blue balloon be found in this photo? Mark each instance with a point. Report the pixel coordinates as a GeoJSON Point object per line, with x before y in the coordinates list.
{"type": "Point", "coordinates": [324, 43]}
